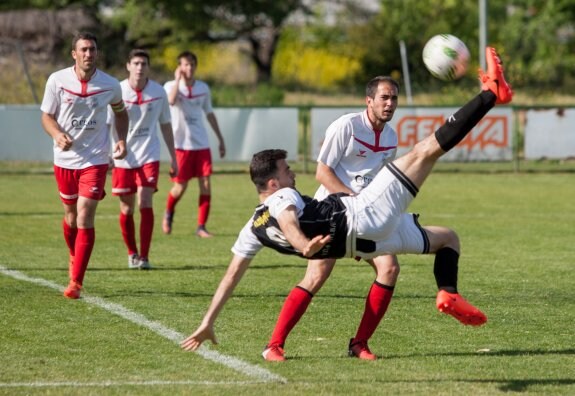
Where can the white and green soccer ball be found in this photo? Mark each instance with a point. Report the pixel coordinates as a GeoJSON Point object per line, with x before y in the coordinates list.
{"type": "Point", "coordinates": [446, 57]}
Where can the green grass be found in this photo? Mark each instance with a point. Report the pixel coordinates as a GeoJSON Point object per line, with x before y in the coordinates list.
{"type": "Point", "coordinates": [517, 262]}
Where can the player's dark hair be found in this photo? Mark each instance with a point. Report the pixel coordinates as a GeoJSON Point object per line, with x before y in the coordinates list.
{"type": "Point", "coordinates": [264, 166]}
{"type": "Point", "coordinates": [138, 53]}
{"type": "Point", "coordinates": [372, 85]}
{"type": "Point", "coordinates": [84, 36]}
{"type": "Point", "coordinates": [190, 56]}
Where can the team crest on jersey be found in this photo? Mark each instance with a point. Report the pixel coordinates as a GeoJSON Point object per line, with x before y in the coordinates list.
{"type": "Point", "coordinates": [92, 102]}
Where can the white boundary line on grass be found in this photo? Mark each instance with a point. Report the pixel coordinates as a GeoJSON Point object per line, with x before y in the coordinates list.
{"type": "Point", "coordinates": [106, 384]}
{"type": "Point", "coordinates": [248, 369]}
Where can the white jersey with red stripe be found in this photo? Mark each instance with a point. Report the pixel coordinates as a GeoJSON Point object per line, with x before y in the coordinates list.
{"type": "Point", "coordinates": [80, 108]}
{"type": "Point", "coordinates": [192, 103]}
{"type": "Point", "coordinates": [147, 109]}
{"type": "Point", "coordinates": [355, 151]}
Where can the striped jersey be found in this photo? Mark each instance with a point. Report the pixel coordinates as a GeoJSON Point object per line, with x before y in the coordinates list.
{"type": "Point", "coordinates": [326, 217]}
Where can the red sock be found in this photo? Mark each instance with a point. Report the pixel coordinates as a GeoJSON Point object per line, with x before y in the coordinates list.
{"type": "Point", "coordinates": [84, 245]}
{"type": "Point", "coordinates": [203, 209]}
{"type": "Point", "coordinates": [376, 305]}
{"type": "Point", "coordinates": [171, 203]}
{"type": "Point", "coordinates": [69, 236]}
{"type": "Point", "coordinates": [293, 309]}
{"type": "Point", "coordinates": [129, 232]}
{"type": "Point", "coordinates": [146, 229]}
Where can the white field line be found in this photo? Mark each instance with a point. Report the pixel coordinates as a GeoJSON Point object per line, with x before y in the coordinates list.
{"type": "Point", "coordinates": [238, 365]}
{"type": "Point", "coordinates": [107, 384]}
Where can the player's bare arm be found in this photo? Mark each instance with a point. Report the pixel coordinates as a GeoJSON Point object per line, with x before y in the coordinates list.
{"type": "Point", "coordinates": [327, 177]}
{"type": "Point", "coordinates": [121, 121]}
{"type": "Point", "coordinates": [51, 127]}
{"type": "Point", "coordinates": [205, 331]}
{"type": "Point", "coordinates": [168, 135]}
{"type": "Point", "coordinates": [289, 225]}
{"type": "Point", "coordinates": [173, 94]}
{"type": "Point", "coordinates": [214, 124]}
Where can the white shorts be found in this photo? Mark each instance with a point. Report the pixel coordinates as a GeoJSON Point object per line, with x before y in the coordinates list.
{"type": "Point", "coordinates": [378, 213]}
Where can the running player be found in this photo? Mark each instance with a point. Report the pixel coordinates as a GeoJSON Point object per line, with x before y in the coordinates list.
{"type": "Point", "coordinates": [74, 112]}
{"type": "Point", "coordinates": [189, 100]}
{"type": "Point", "coordinates": [366, 225]}
{"type": "Point", "coordinates": [137, 174]}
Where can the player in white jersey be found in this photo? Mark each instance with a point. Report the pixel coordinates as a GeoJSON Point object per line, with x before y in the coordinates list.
{"type": "Point", "coordinates": [137, 174]}
{"type": "Point", "coordinates": [376, 221]}
{"type": "Point", "coordinates": [74, 112]}
{"type": "Point", "coordinates": [355, 148]}
{"type": "Point", "coordinates": [189, 100]}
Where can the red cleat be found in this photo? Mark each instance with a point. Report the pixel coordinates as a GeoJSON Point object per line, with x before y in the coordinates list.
{"type": "Point", "coordinates": [455, 305]}
{"type": "Point", "coordinates": [274, 353]}
{"type": "Point", "coordinates": [494, 80]}
{"type": "Point", "coordinates": [360, 350]}
{"type": "Point", "coordinates": [73, 290]}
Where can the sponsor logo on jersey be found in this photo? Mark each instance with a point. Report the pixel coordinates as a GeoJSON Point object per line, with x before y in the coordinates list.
{"type": "Point", "coordinates": [362, 180]}
{"type": "Point", "coordinates": [83, 123]}
{"type": "Point", "coordinates": [262, 219]}
{"type": "Point", "coordinates": [361, 154]}
{"type": "Point", "coordinates": [140, 132]}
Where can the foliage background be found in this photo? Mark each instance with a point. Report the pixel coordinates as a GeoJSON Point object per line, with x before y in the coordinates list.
{"type": "Point", "coordinates": [318, 46]}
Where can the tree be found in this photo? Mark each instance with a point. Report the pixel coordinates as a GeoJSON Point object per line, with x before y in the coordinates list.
{"type": "Point", "coordinates": [260, 22]}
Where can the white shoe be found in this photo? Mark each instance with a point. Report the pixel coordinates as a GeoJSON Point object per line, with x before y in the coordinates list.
{"type": "Point", "coordinates": [134, 261]}
{"type": "Point", "coordinates": [144, 264]}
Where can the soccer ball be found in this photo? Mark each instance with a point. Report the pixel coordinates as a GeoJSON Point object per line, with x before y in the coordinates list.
{"type": "Point", "coordinates": [446, 57]}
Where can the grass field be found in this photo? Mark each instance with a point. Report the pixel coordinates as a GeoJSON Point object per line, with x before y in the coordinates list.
{"type": "Point", "coordinates": [517, 233]}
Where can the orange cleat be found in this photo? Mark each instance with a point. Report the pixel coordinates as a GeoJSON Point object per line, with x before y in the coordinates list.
{"type": "Point", "coordinates": [494, 80]}
{"type": "Point", "coordinates": [360, 350]}
{"type": "Point", "coordinates": [274, 353]}
{"type": "Point", "coordinates": [73, 290]}
{"type": "Point", "coordinates": [455, 305]}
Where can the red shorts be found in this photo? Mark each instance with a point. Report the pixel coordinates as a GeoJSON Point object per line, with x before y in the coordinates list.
{"type": "Point", "coordinates": [126, 181]}
{"type": "Point", "coordinates": [193, 163]}
{"type": "Point", "coordinates": [88, 182]}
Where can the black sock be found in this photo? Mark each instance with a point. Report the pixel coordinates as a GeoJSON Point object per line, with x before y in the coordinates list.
{"type": "Point", "coordinates": [445, 269]}
{"type": "Point", "coordinates": [459, 124]}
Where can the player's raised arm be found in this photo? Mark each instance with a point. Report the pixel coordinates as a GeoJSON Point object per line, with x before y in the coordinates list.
{"type": "Point", "coordinates": [205, 331]}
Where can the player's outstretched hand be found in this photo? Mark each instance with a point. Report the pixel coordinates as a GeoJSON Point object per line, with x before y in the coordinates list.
{"type": "Point", "coordinates": [315, 245]}
{"type": "Point", "coordinates": [202, 334]}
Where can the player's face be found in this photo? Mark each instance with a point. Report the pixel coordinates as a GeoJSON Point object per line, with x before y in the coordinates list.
{"type": "Point", "coordinates": [85, 55]}
{"type": "Point", "coordinates": [381, 107]}
{"type": "Point", "coordinates": [285, 176]}
{"type": "Point", "coordinates": [187, 68]}
{"type": "Point", "coordinates": [138, 67]}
